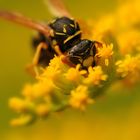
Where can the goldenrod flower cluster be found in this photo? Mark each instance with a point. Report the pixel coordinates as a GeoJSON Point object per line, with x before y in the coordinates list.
{"type": "Point", "coordinates": [59, 86]}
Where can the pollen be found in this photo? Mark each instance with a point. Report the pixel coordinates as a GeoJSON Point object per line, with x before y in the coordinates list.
{"type": "Point", "coordinates": [80, 98]}
{"type": "Point", "coordinates": [95, 76]}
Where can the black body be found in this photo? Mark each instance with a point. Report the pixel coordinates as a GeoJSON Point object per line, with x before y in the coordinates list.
{"type": "Point", "coordinates": [67, 35]}
{"type": "Point", "coordinates": [63, 28]}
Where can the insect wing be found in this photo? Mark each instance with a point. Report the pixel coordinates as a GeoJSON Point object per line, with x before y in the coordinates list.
{"type": "Point", "coordinates": [57, 8]}
{"type": "Point", "coordinates": [27, 22]}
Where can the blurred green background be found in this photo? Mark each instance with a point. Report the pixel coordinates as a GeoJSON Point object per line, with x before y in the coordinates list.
{"type": "Point", "coordinates": [115, 116]}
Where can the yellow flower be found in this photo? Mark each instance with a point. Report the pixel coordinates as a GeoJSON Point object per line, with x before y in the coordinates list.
{"type": "Point", "coordinates": [80, 98]}
{"type": "Point", "coordinates": [129, 41]}
{"type": "Point", "coordinates": [40, 89]}
{"type": "Point", "coordinates": [19, 105]}
{"type": "Point", "coordinates": [105, 52]}
{"type": "Point", "coordinates": [129, 66]}
{"type": "Point", "coordinates": [56, 62]}
{"type": "Point", "coordinates": [23, 120]}
{"type": "Point", "coordinates": [42, 110]}
{"type": "Point", "coordinates": [50, 73]}
{"type": "Point", "coordinates": [54, 70]}
{"type": "Point", "coordinates": [105, 25]}
{"type": "Point", "coordinates": [43, 88]}
{"type": "Point", "coordinates": [95, 76]}
{"type": "Point", "coordinates": [128, 17]}
{"type": "Point", "coordinates": [28, 91]}
{"type": "Point", "coordinates": [74, 74]}
{"type": "Point", "coordinates": [59, 86]}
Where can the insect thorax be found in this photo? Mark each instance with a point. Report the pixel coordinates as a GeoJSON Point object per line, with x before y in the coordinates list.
{"type": "Point", "coordinates": [66, 33]}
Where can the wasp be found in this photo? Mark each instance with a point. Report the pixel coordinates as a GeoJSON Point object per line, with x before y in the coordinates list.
{"type": "Point", "coordinates": [62, 36]}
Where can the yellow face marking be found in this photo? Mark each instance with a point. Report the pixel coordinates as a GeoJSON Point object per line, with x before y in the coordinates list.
{"type": "Point", "coordinates": [88, 62]}
{"type": "Point", "coordinates": [75, 24]}
{"type": "Point", "coordinates": [54, 42]}
{"type": "Point", "coordinates": [72, 36]}
{"type": "Point", "coordinates": [72, 25]}
{"type": "Point", "coordinates": [64, 30]}
{"type": "Point", "coordinates": [57, 33]}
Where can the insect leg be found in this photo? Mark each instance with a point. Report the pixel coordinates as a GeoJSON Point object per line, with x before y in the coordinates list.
{"type": "Point", "coordinates": [31, 68]}
{"type": "Point", "coordinates": [57, 50]}
{"type": "Point", "coordinates": [64, 58]}
{"type": "Point", "coordinates": [25, 21]}
{"type": "Point", "coordinates": [57, 8]}
{"type": "Point", "coordinates": [38, 52]}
